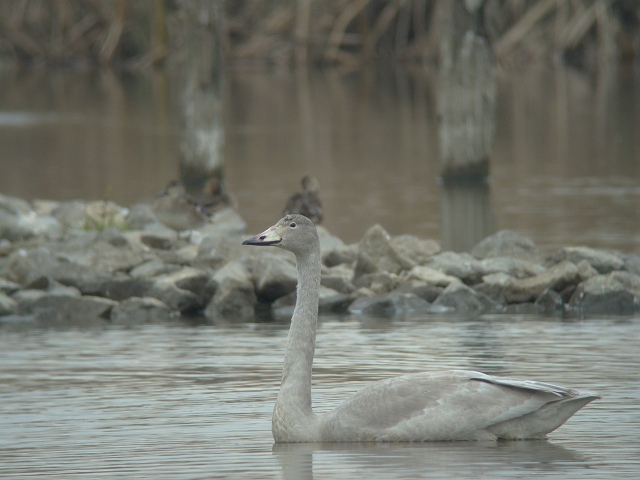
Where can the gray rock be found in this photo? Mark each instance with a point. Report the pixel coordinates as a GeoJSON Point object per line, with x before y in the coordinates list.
{"type": "Point", "coordinates": [340, 256]}
{"type": "Point", "coordinates": [157, 240]}
{"type": "Point", "coordinates": [507, 243]}
{"type": "Point", "coordinates": [632, 263]}
{"type": "Point", "coordinates": [275, 276]}
{"type": "Point", "coordinates": [8, 287]}
{"type": "Point", "coordinates": [460, 265]}
{"type": "Point", "coordinates": [153, 268]}
{"type": "Point", "coordinates": [558, 277]}
{"type": "Point", "coordinates": [514, 267]}
{"type": "Point", "coordinates": [70, 214]}
{"type": "Point", "coordinates": [377, 253]}
{"type": "Point", "coordinates": [53, 309]}
{"type": "Point", "coordinates": [190, 279]}
{"type": "Point", "coordinates": [338, 278]}
{"type": "Point", "coordinates": [217, 250]}
{"type": "Point", "coordinates": [494, 286]}
{"type": "Point", "coordinates": [601, 260]}
{"type": "Point", "coordinates": [140, 310]}
{"type": "Point", "coordinates": [389, 305]}
{"type": "Point", "coordinates": [463, 299]}
{"type": "Point", "coordinates": [7, 305]}
{"type": "Point", "coordinates": [421, 289]}
{"type": "Point", "coordinates": [331, 301]}
{"type": "Point", "coordinates": [235, 297]}
{"type": "Point", "coordinates": [428, 275]}
{"type": "Point", "coordinates": [550, 302]}
{"type": "Point", "coordinates": [616, 293]}
{"type": "Point", "coordinates": [175, 298]}
{"type": "Point", "coordinates": [416, 249]}
{"type": "Point", "coordinates": [378, 282]}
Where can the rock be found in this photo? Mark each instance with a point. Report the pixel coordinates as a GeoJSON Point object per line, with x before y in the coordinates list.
{"type": "Point", "coordinates": [178, 299]}
{"type": "Point", "coordinates": [389, 305]}
{"type": "Point", "coordinates": [428, 275]}
{"type": "Point", "coordinates": [157, 240]}
{"type": "Point", "coordinates": [632, 263]}
{"type": "Point", "coordinates": [226, 221]}
{"type": "Point", "coordinates": [53, 309]}
{"type": "Point", "coordinates": [140, 310]}
{"type": "Point", "coordinates": [99, 215]}
{"type": "Point", "coordinates": [8, 287]}
{"type": "Point", "coordinates": [550, 302]}
{"type": "Point", "coordinates": [377, 253]}
{"type": "Point", "coordinates": [379, 282]}
{"type": "Point", "coordinates": [417, 249]}
{"type": "Point", "coordinates": [190, 279]}
{"type": "Point", "coordinates": [464, 299]}
{"type": "Point", "coordinates": [275, 276]}
{"type": "Point", "coordinates": [616, 293]}
{"type": "Point", "coordinates": [557, 278]}
{"type": "Point", "coordinates": [70, 214]}
{"type": "Point", "coordinates": [153, 268]}
{"type": "Point", "coordinates": [585, 270]}
{"type": "Point", "coordinates": [217, 250]}
{"type": "Point", "coordinates": [514, 267]}
{"type": "Point", "coordinates": [339, 256]}
{"type": "Point", "coordinates": [460, 265]}
{"type": "Point", "coordinates": [338, 278]}
{"type": "Point", "coordinates": [601, 260]}
{"type": "Point", "coordinates": [141, 215]}
{"type": "Point", "coordinates": [507, 243]}
{"type": "Point", "coordinates": [7, 305]}
{"type": "Point", "coordinates": [331, 301]}
{"type": "Point", "coordinates": [494, 286]}
{"type": "Point", "coordinates": [235, 297]}
{"type": "Point", "coordinates": [420, 289]}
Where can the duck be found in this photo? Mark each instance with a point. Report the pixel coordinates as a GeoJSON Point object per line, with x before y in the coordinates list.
{"type": "Point", "coordinates": [306, 202]}
{"type": "Point", "coordinates": [419, 407]}
{"type": "Point", "coordinates": [215, 197]}
{"type": "Point", "coordinates": [178, 210]}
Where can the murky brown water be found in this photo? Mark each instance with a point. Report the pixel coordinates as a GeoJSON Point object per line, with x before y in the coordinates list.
{"type": "Point", "coordinates": [565, 168]}
{"type": "Point", "coordinates": [180, 401]}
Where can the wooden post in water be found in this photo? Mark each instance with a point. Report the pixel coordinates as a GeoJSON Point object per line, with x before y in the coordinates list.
{"type": "Point", "coordinates": [196, 72]}
{"type": "Point", "coordinates": [466, 108]}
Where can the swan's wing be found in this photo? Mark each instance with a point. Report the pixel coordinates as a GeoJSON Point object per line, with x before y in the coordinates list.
{"type": "Point", "coordinates": [442, 406]}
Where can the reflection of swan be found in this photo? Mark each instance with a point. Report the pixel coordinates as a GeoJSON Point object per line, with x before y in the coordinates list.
{"type": "Point", "coordinates": [434, 460]}
{"type": "Point", "coordinates": [452, 405]}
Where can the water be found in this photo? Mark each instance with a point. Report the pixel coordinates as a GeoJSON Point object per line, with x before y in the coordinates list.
{"type": "Point", "coordinates": [565, 169]}
{"type": "Point", "coordinates": [194, 401]}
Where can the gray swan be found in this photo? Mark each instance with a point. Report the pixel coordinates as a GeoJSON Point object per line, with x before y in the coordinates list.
{"type": "Point", "coordinates": [449, 405]}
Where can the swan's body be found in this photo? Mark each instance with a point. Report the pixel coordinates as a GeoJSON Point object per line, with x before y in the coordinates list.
{"type": "Point", "coordinates": [450, 405]}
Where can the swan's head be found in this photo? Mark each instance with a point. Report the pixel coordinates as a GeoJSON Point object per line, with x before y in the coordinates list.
{"type": "Point", "coordinates": [294, 232]}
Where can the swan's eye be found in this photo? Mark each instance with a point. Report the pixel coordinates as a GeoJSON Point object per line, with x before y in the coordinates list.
{"type": "Point", "coordinates": [292, 224]}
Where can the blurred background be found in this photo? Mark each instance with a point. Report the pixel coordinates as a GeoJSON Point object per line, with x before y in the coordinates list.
{"type": "Point", "coordinates": [447, 120]}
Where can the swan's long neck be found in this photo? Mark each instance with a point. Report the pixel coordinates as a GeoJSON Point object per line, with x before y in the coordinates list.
{"type": "Point", "coordinates": [293, 405]}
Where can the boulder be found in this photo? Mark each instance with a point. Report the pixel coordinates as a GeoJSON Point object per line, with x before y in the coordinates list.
{"type": "Point", "coordinates": [140, 310]}
{"type": "Point", "coordinates": [558, 277]}
{"type": "Point", "coordinates": [190, 279]}
{"type": "Point", "coordinates": [601, 260]}
{"type": "Point", "coordinates": [7, 305]}
{"type": "Point", "coordinates": [428, 275]}
{"type": "Point", "coordinates": [378, 282]}
{"type": "Point", "coordinates": [275, 276]}
{"type": "Point", "coordinates": [415, 248]}
{"type": "Point", "coordinates": [331, 301]}
{"type": "Point", "coordinates": [464, 299]}
{"type": "Point", "coordinates": [389, 305]}
{"type": "Point", "coordinates": [460, 265]}
{"type": "Point", "coordinates": [421, 289]}
{"type": "Point", "coordinates": [550, 302]}
{"type": "Point", "coordinates": [377, 253]}
{"type": "Point", "coordinates": [514, 267]}
{"type": "Point", "coordinates": [338, 278]}
{"type": "Point", "coordinates": [507, 243]}
{"type": "Point", "coordinates": [616, 293]}
{"type": "Point", "coordinates": [68, 310]}
{"type": "Point", "coordinates": [234, 297]}
{"type": "Point", "coordinates": [217, 250]}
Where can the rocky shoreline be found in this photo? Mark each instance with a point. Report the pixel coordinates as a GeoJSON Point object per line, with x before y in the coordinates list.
{"type": "Point", "coordinates": [83, 263]}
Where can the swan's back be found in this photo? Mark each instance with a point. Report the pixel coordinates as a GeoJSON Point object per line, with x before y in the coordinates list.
{"type": "Point", "coordinates": [453, 405]}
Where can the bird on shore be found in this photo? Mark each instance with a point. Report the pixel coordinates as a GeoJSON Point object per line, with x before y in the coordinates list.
{"type": "Point", "coordinates": [306, 202]}
{"type": "Point", "coordinates": [215, 196]}
{"type": "Point", "coordinates": [447, 405]}
{"type": "Point", "coordinates": [178, 210]}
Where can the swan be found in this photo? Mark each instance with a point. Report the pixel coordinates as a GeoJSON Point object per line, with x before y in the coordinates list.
{"type": "Point", "coordinates": [449, 405]}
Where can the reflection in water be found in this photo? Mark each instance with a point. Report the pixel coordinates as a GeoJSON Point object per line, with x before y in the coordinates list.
{"type": "Point", "coordinates": [565, 167]}
{"type": "Point", "coordinates": [180, 401]}
{"type": "Point", "coordinates": [466, 459]}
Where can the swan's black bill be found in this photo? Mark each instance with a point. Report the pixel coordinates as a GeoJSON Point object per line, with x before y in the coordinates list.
{"type": "Point", "coordinates": [260, 240]}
